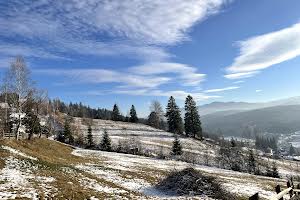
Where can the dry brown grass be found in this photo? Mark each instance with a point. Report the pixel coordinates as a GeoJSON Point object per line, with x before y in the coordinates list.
{"type": "Point", "coordinates": [45, 150]}
{"type": "Point", "coordinates": [3, 155]}
{"type": "Point", "coordinates": [53, 160]}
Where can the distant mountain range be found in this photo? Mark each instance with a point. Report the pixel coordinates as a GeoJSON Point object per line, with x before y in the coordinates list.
{"type": "Point", "coordinates": [243, 106]}
{"type": "Point", "coordinates": [232, 118]}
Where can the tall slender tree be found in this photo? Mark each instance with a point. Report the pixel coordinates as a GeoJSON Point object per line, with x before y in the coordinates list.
{"type": "Point", "coordinates": [173, 117]}
{"type": "Point", "coordinates": [251, 162]}
{"type": "Point", "coordinates": [156, 117]}
{"type": "Point", "coordinates": [176, 148]}
{"type": "Point", "coordinates": [133, 116]}
{"type": "Point", "coordinates": [105, 144]}
{"type": "Point", "coordinates": [90, 140]}
{"type": "Point", "coordinates": [68, 132]}
{"type": "Point", "coordinates": [116, 116]}
{"type": "Point", "coordinates": [18, 84]}
{"type": "Point", "coordinates": [192, 123]}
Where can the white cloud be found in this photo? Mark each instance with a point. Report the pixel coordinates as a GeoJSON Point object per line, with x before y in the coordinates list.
{"type": "Point", "coordinates": [263, 51]}
{"type": "Point", "coordinates": [107, 76]}
{"type": "Point", "coordinates": [221, 89]}
{"type": "Point", "coordinates": [258, 90]}
{"type": "Point", "coordinates": [180, 94]}
{"type": "Point", "coordinates": [188, 75]}
{"type": "Point", "coordinates": [237, 82]}
{"type": "Point", "coordinates": [131, 28]}
{"type": "Point", "coordinates": [241, 75]}
{"type": "Point", "coordinates": [102, 27]}
{"type": "Point", "coordinates": [11, 50]}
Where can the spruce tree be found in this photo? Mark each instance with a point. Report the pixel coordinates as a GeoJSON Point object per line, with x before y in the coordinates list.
{"type": "Point", "coordinates": [67, 132]}
{"type": "Point", "coordinates": [153, 120]}
{"type": "Point", "coordinates": [292, 150]}
{"type": "Point", "coordinates": [176, 148]}
{"type": "Point", "coordinates": [116, 116]}
{"type": "Point", "coordinates": [173, 117]}
{"type": "Point", "coordinates": [32, 124]}
{"type": "Point", "coordinates": [192, 123]}
{"type": "Point", "coordinates": [105, 144]}
{"type": "Point", "coordinates": [251, 162]}
{"type": "Point", "coordinates": [133, 116]}
{"type": "Point", "coordinates": [90, 140]}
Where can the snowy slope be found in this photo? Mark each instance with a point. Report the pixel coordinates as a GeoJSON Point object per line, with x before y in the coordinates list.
{"type": "Point", "coordinates": [149, 137]}
{"type": "Point", "coordinates": [49, 169]}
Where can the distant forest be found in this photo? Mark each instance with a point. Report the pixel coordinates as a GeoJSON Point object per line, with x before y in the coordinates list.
{"type": "Point", "coordinates": [81, 110]}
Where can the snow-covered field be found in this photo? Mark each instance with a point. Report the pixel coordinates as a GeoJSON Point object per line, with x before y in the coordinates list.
{"type": "Point", "coordinates": [116, 165]}
{"type": "Point", "coordinates": [149, 137]}
{"type": "Point", "coordinates": [83, 174]}
{"type": "Point", "coordinates": [48, 169]}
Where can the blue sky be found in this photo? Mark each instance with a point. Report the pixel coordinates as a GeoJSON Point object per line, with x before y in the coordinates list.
{"type": "Point", "coordinates": [103, 52]}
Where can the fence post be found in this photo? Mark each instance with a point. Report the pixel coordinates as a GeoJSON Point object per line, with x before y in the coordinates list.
{"type": "Point", "coordinates": [278, 190]}
{"type": "Point", "coordinates": [254, 197]}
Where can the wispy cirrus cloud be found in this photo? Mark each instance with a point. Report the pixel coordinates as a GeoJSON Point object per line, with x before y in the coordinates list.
{"type": "Point", "coordinates": [186, 74]}
{"type": "Point", "coordinates": [221, 89]}
{"type": "Point", "coordinates": [180, 94]}
{"type": "Point", "coordinates": [96, 76]}
{"type": "Point", "coordinates": [133, 29]}
{"type": "Point", "coordinates": [241, 75]}
{"type": "Point", "coordinates": [264, 51]}
{"type": "Point", "coordinates": [99, 27]}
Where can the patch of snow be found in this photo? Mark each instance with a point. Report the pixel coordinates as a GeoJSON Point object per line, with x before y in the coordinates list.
{"type": "Point", "coordinates": [14, 182]}
{"type": "Point", "coordinates": [16, 178]}
{"type": "Point", "coordinates": [94, 185]}
{"type": "Point", "coordinates": [17, 152]}
{"type": "Point", "coordinates": [247, 189]}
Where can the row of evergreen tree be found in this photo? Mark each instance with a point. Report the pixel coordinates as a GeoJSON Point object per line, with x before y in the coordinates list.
{"type": "Point", "coordinates": [175, 124]}
{"type": "Point", "coordinates": [192, 123]}
{"type": "Point", "coordinates": [80, 110]}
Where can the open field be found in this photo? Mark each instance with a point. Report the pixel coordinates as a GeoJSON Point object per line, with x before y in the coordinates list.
{"type": "Point", "coordinates": [44, 169]}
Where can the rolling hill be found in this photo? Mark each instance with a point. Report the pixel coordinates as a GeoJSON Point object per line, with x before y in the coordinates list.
{"type": "Point", "coordinates": [235, 107]}
{"type": "Point", "coordinates": [276, 119]}
{"type": "Point", "coordinates": [46, 169]}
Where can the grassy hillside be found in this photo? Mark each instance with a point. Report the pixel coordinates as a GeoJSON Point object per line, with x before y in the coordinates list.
{"type": "Point", "coordinates": [278, 119]}
{"type": "Point", "coordinates": [46, 169]}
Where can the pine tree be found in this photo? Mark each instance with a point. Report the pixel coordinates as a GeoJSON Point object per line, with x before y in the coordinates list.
{"type": "Point", "coordinates": [32, 124]}
{"type": "Point", "coordinates": [61, 137]}
{"type": "Point", "coordinates": [192, 123]}
{"type": "Point", "coordinates": [153, 120]}
{"type": "Point", "coordinates": [292, 150]}
{"type": "Point", "coordinates": [176, 148]}
{"type": "Point", "coordinates": [133, 116]}
{"type": "Point", "coordinates": [173, 117]}
{"type": "Point", "coordinates": [90, 140]}
{"type": "Point", "coordinates": [251, 162]}
{"type": "Point", "coordinates": [105, 144]}
{"type": "Point", "coordinates": [116, 116]}
{"type": "Point", "coordinates": [67, 132]}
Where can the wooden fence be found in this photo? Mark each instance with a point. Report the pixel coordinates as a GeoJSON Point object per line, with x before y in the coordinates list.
{"type": "Point", "coordinates": [291, 191]}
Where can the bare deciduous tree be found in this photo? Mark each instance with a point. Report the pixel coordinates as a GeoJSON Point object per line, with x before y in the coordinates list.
{"type": "Point", "coordinates": [157, 108]}
{"type": "Point", "coordinates": [19, 86]}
